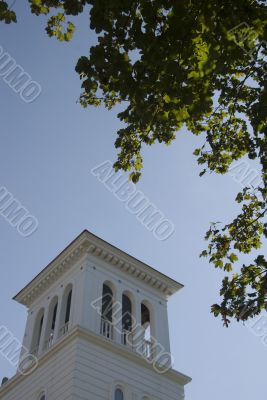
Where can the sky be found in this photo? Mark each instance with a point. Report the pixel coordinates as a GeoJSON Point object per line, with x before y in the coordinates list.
{"type": "Point", "coordinates": [48, 148]}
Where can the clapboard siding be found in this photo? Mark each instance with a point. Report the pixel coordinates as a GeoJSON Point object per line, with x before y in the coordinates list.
{"type": "Point", "coordinates": [96, 371]}
{"type": "Point", "coordinates": [55, 375]}
{"type": "Point", "coordinates": [86, 370]}
{"type": "Point", "coordinates": [114, 363]}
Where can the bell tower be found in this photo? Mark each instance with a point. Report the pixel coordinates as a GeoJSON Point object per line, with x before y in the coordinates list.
{"type": "Point", "coordinates": [97, 328]}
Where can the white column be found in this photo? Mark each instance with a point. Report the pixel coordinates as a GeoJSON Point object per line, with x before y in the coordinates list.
{"type": "Point", "coordinates": [92, 292]}
{"type": "Point", "coordinates": [77, 299]}
{"type": "Point", "coordinates": [29, 331]}
{"type": "Point", "coordinates": [44, 329]}
{"type": "Point", "coordinates": [96, 314]}
{"type": "Point", "coordinates": [136, 311]}
{"type": "Point", "coordinates": [160, 328]}
{"type": "Point", "coordinates": [92, 297]}
{"type": "Point", "coordinates": [138, 331]}
{"type": "Point", "coordinates": [57, 324]}
{"type": "Point", "coordinates": [117, 313]}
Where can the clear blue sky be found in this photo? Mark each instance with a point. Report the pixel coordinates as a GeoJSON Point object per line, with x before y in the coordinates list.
{"type": "Point", "coordinates": [47, 150]}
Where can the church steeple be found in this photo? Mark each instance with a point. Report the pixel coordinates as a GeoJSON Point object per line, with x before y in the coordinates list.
{"type": "Point", "coordinates": [97, 316]}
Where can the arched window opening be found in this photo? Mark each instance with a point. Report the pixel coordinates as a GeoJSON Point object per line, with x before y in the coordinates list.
{"type": "Point", "coordinates": [127, 320]}
{"type": "Point", "coordinates": [66, 310]}
{"type": "Point", "coordinates": [54, 318]}
{"type": "Point", "coordinates": [107, 302]}
{"type": "Point", "coordinates": [145, 313]}
{"type": "Point", "coordinates": [40, 330]}
{"type": "Point", "coordinates": [146, 325]}
{"type": "Point", "coordinates": [37, 333]}
{"type": "Point", "coordinates": [68, 307]}
{"type": "Point", "coordinates": [42, 397]}
{"type": "Point", "coordinates": [106, 314]}
{"type": "Point", "coordinates": [51, 323]}
{"type": "Point", "coordinates": [119, 394]}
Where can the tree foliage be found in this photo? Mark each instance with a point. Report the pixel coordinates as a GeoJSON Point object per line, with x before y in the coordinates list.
{"type": "Point", "coordinates": [195, 63]}
{"type": "Point", "coordinates": [6, 14]}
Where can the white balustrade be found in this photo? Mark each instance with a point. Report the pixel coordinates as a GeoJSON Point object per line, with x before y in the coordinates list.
{"type": "Point", "coordinates": [50, 341]}
{"type": "Point", "coordinates": [106, 329]}
{"type": "Point", "coordinates": [147, 349]}
{"type": "Point", "coordinates": [127, 338]}
{"type": "Point", "coordinates": [64, 329]}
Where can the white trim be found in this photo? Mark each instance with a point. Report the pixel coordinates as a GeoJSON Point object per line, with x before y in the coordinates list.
{"type": "Point", "coordinates": [41, 392]}
{"type": "Point", "coordinates": [80, 332]}
{"type": "Point", "coordinates": [124, 387]}
{"type": "Point", "coordinates": [87, 243]}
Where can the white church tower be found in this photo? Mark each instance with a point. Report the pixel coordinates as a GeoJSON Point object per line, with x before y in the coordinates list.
{"type": "Point", "coordinates": [97, 329]}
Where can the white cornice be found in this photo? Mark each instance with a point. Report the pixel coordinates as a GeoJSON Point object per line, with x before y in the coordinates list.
{"type": "Point", "coordinates": [79, 332]}
{"type": "Point", "coordinates": [87, 243]}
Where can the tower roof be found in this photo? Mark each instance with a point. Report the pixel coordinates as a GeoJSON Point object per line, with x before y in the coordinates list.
{"type": "Point", "coordinates": [88, 243]}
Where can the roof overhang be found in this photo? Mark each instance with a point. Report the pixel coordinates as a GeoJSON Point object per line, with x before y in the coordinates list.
{"type": "Point", "coordinates": [88, 243]}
